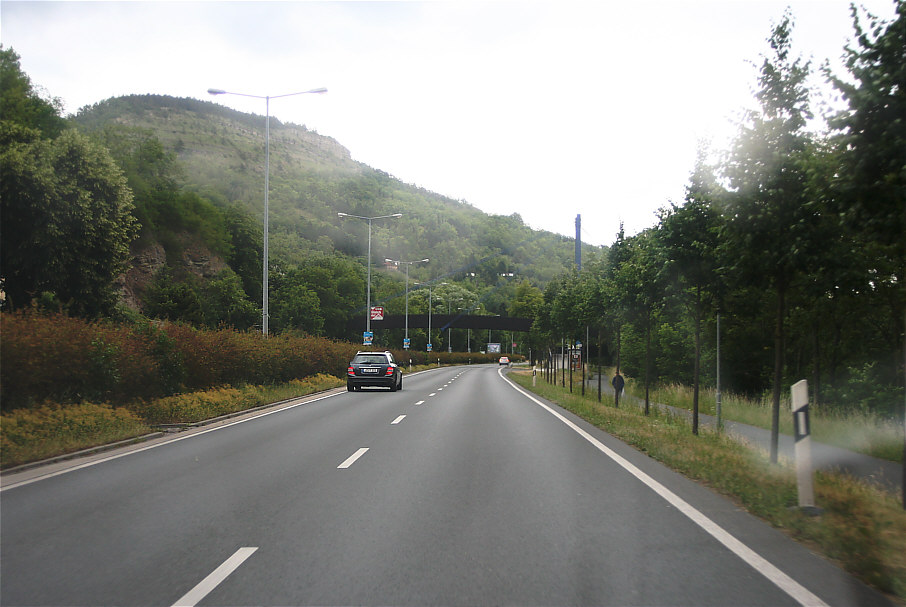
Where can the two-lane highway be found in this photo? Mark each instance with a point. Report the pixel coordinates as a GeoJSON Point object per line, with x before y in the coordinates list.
{"type": "Point", "coordinates": [458, 490]}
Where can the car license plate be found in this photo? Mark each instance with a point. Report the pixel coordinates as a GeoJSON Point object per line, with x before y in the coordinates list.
{"type": "Point", "coordinates": [369, 370]}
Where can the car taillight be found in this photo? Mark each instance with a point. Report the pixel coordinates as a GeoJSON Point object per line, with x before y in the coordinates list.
{"type": "Point", "coordinates": [389, 371]}
{"type": "Point", "coordinates": [350, 370]}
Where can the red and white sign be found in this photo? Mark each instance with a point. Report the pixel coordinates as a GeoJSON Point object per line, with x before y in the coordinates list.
{"type": "Point", "coordinates": [377, 313]}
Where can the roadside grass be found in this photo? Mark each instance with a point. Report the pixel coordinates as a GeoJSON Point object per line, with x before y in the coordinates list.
{"type": "Point", "coordinates": [33, 434]}
{"type": "Point", "coordinates": [28, 435]}
{"type": "Point", "coordinates": [862, 527]}
{"type": "Point", "coordinates": [198, 406]}
{"type": "Point", "coordinates": [863, 433]}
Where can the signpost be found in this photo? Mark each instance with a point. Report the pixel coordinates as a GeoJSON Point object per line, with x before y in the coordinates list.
{"type": "Point", "coordinates": [803, 448]}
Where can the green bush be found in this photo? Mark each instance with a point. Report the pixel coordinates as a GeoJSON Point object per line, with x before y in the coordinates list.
{"type": "Point", "coordinates": [61, 359]}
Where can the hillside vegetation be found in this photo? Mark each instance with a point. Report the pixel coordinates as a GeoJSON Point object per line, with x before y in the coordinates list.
{"type": "Point", "coordinates": [215, 155]}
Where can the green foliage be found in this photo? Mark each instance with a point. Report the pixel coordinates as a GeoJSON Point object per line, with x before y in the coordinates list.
{"type": "Point", "coordinates": [225, 303]}
{"type": "Point", "coordinates": [318, 296]}
{"type": "Point", "coordinates": [21, 103]}
{"type": "Point", "coordinates": [67, 222]}
{"type": "Point", "coordinates": [168, 299]}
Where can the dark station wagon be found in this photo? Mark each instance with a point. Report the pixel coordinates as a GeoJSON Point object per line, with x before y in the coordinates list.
{"type": "Point", "coordinates": [374, 369]}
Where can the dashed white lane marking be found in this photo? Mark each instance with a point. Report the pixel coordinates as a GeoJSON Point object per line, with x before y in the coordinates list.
{"type": "Point", "coordinates": [793, 588]}
{"type": "Point", "coordinates": [352, 458]}
{"type": "Point", "coordinates": [398, 420]}
{"type": "Point", "coordinates": [433, 394]}
{"type": "Point", "coordinates": [420, 402]}
{"type": "Point", "coordinates": [205, 586]}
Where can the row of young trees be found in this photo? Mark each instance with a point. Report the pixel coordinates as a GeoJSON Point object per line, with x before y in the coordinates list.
{"type": "Point", "coordinates": [796, 240]}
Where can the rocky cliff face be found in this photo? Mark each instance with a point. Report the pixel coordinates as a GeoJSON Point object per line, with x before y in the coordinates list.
{"type": "Point", "coordinates": [195, 259]}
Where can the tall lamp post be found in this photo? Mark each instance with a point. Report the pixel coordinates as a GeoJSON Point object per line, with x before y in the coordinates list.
{"type": "Point", "coordinates": [469, 335]}
{"type": "Point", "coordinates": [369, 220]}
{"type": "Point", "coordinates": [407, 264]}
{"type": "Point", "coordinates": [267, 160]}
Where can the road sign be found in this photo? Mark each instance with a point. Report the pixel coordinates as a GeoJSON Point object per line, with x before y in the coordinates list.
{"type": "Point", "coordinates": [367, 338]}
{"type": "Point", "coordinates": [377, 313]}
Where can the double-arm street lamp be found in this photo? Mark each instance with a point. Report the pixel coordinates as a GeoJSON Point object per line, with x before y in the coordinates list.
{"type": "Point", "coordinates": [267, 156]}
{"type": "Point", "coordinates": [407, 264]}
{"type": "Point", "coordinates": [369, 220]}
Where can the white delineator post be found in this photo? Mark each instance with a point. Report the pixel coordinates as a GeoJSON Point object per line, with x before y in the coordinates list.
{"type": "Point", "coordinates": [803, 448]}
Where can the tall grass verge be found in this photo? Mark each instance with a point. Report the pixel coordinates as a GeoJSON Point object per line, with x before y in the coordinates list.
{"type": "Point", "coordinates": [197, 406]}
{"type": "Point", "coordinates": [861, 432]}
{"type": "Point", "coordinates": [28, 435]}
{"type": "Point", "coordinates": [863, 527]}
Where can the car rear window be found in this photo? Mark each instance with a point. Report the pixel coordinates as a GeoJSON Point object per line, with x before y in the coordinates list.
{"type": "Point", "coordinates": [370, 360]}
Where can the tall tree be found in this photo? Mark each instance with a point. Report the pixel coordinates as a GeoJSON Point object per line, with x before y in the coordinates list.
{"type": "Point", "coordinates": [67, 222]}
{"type": "Point", "coordinates": [769, 217]}
{"type": "Point", "coordinates": [871, 133]}
{"type": "Point", "coordinates": [689, 234]}
{"type": "Point", "coordinates": [21, 102]}
{"type": "Point", "coordinates": [639, 280]}
{"type": "Point", "coordinates": [66, 207]}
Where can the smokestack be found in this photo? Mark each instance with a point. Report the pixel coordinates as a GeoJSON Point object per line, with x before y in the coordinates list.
{"type": "Point", "coordinates": [579, 242]}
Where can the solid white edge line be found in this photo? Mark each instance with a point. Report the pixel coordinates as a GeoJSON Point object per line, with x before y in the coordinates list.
{"type": "Point", "coordinates": [398, 420]}
{"type": "Point", "coordinates": [205, 586]}
{"type": "Point", "coordinates": [793, 588]}
{"type": "Point", "coordinates": [156, 445]}
{"type": "Point", "coordinates": [352, 458]}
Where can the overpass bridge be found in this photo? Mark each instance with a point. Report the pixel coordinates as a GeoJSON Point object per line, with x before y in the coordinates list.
{"type": "Point", "coordinates": [446, 321]}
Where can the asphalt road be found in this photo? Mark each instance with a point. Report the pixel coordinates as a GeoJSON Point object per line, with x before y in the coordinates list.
{"type": "Point", "coordinates": [458, 490]}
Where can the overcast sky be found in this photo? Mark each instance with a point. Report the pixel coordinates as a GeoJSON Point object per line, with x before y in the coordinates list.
{"type": "Point", "coordinates": [546, 109]}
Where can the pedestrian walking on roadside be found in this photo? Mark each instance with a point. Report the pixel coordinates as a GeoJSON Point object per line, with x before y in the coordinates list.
{"type": "Point", "coordinates": [617, 382]}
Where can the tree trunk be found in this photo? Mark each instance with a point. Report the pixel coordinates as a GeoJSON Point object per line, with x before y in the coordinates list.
{"type": "Point", "coordinates": [698, 355]}
{"type": "Point", "coordinates": [600, 340]}
{"type": "Point", "coordinates": [647, 362]}
{"type": "Point", "coordinates": [816, 381]}
{"type": "Point", "coordinates": [616, 394]}
{"type": "Point", "coordinates": [778, 371]}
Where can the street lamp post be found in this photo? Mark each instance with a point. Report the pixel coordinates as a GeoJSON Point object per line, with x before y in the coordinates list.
{"type": "Point", "coordinates": [369, 220]}
{"type": "Point", "coordinates": [429, 322]}
{"type": "Point", "coordinates": [267, 157]}
{"type": "Point", "coordinates": [469, 336]}
{"type": "Point", "coordinates": [407, 263]}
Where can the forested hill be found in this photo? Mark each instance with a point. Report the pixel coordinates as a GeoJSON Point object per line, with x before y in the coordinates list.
{"type": "Point", "coordinates": [312, 177]}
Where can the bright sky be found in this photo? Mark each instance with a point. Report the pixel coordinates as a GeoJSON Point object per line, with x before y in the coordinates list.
{"type": "Point", "coordinates": [547, 109]}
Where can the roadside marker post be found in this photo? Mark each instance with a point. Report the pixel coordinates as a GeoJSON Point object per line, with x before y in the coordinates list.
{"type": "Point", "coordinates": [803, 447]}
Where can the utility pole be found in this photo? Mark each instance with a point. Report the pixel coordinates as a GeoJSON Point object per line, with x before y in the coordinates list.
{"type": "Point", "coordinates": [579, 242]}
